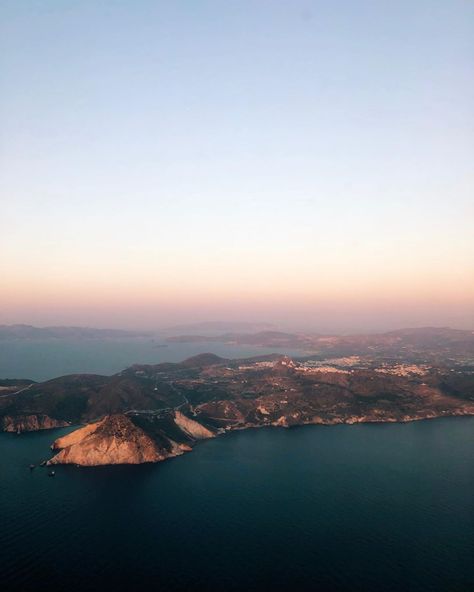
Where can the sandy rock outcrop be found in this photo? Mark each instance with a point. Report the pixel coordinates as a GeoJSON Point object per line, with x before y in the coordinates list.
{"type": "Point", "coordinates": [75, 437]}
{"type": "Point", "coordinates": [191, 427]}
{"type": "Point", "coordinates": [111, 441]}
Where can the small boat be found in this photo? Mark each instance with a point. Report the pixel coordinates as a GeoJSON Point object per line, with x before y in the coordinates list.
{"type": "Point", "coordinates": [51, 474]}
{"type": "Point", "coordinates": [32, 467]}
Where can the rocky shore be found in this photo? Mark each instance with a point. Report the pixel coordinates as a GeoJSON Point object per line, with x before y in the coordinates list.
{"type": "Point", "coordinates": [31, 423]}
{"type": "Point", "coordinates": [117, 440]}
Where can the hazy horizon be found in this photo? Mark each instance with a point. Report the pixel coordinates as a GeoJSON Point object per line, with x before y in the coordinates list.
{"type": "Point", "coordinates": [222, 327]}
{"type": "Point", "coordinates": [304, 163]}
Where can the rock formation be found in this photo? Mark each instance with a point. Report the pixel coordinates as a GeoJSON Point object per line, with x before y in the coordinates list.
{"type": "Point", "coordinates": [113, 440]}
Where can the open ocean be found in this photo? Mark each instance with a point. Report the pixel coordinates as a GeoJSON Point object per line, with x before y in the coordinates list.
{"type": "Point", "coordinates": [366, 508]}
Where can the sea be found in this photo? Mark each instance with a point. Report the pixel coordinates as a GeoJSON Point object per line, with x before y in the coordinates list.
{"type": "Point", "coordinates": [43, 359]}
{"type": "Point", "coordinates": [366, 508]}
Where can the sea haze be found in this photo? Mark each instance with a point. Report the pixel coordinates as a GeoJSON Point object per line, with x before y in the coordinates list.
{"type": "Point", "coordinates": [362, 508]}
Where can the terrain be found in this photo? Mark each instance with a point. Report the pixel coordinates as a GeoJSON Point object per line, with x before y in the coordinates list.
{"type": "Point", "coordinates": [147, 413]}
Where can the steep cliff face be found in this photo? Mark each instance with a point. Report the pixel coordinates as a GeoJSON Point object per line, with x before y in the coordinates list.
{"type": "Point", "coordinates": [111, 441]}
{"type": "Point", "coordinates": [30, 423]}
{"type": "Point", "coordinates": [191, 427]}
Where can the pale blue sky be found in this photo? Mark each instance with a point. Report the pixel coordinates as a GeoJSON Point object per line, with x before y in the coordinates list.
{"type": "Point", "coordinates": [178, 139]}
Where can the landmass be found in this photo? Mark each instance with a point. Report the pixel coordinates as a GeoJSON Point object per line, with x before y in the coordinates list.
{"type": "Point", "coordinates": [436, 344]}
{"type": "Point", "coordinates": [148, 413]}
{"type": "Point", "coordinates": [216, 327]}
{"type": "Point", "coordinates": [23, 332]}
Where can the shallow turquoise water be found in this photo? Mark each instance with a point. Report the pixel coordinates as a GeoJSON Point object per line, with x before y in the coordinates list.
{"type": "Point", "coordinates": [363, 508]}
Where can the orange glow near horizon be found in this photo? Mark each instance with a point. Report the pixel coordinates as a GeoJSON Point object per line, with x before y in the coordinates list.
{"type": "Point", "coordinates": [286, 297]}
{"type": "Point", "coordinates": [325, 180]}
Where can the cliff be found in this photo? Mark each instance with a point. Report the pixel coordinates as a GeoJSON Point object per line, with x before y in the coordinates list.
{"type": "Point", "coordinates": [30, 423]}
{"type": "Point", "coordinates": [192, 428]}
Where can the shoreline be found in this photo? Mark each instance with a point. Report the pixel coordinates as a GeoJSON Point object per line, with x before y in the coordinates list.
{"type": "Point", "coordinates": [390, 421]}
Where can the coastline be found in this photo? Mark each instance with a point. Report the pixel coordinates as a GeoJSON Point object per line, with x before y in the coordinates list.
{"type": "Point", "coordinates": [179, 450]}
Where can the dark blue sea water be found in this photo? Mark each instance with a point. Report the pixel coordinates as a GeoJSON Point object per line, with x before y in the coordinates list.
{"type": "Point", "coordinates": [369, 508]}
{"type": "Point", "coordinates": [48, 358]}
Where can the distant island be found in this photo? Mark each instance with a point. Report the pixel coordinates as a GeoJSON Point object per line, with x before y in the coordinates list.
{"type": "Point", "coordinates": [31, 332]}
{"type": "Point", "coordinates": [23, 331]}
{"type": "Point", "coordinates": [431, 341]}
{"type": "Point", "coordinates": [215, 327]}
{"type": "Point", "coordinates": [148, 413]}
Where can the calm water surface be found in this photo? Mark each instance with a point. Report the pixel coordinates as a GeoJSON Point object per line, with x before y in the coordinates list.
{"type": "Point", "coordinates": [48, 358]}
{"type": "Point", "coordinates": [362, 508]}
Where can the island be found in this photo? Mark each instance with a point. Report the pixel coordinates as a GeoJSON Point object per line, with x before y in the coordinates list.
{"type": "Point", "coordinates": [148, 413]}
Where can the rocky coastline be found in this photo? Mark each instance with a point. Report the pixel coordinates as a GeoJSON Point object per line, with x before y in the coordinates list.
{"type": "Point", "coordinates": [148, 413]}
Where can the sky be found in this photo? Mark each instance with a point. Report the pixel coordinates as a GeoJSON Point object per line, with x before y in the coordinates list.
{"type": "Point", "coordinates": [306, 163]}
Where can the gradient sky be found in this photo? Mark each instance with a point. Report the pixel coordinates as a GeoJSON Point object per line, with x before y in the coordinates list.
{"type": "Point", "coordinates": [305, 163]}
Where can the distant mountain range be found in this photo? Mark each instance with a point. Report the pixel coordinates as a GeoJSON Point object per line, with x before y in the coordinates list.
{"type": "Point", "coordinates": [23, 331]}
{"type": "Point", "coordinates": [431, 343]}
{"type": "Point", "coordinates": [30, 332]}
{"type": "Point", "coordinates": [425, 341]}
{"type": "Point", "coordinates": [219, 327]}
